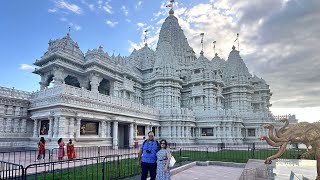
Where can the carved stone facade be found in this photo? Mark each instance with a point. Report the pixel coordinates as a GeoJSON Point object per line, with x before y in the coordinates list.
{"type": "Point", "coordinates": [97, 99]}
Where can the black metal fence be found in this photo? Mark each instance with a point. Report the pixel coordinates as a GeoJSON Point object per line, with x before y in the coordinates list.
{"type": "Point", "coordinates": [24, 157]}
{"type": "Point", "coordinates": [84, 168]}
{"type": "Point", "coordinates": [118, 164]}
{"type": "Point", "coordinates": [11, 170]}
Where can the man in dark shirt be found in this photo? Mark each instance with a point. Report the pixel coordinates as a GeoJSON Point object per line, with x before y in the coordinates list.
{"type": "Point", "coordinates": [147, 157]}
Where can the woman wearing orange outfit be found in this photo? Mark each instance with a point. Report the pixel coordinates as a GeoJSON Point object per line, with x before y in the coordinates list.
{"type": "Point", "coordinates": [70, 150]}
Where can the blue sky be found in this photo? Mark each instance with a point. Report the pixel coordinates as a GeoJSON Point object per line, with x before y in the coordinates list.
{"type": "Point", "coordinates": [277, 38]}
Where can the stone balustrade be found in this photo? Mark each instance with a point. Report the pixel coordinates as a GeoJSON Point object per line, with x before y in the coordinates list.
{"type": "Point", "coordinates": [83, 93]}
{"type": "Point", "coordinates": [13, 93]}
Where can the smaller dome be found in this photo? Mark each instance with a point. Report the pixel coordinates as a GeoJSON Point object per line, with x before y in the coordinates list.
{"type": "Point", "coordinates": [97, 53]}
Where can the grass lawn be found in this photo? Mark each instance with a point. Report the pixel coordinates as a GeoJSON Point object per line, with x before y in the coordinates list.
{"type": "Point", "coordinates": [128, 167]}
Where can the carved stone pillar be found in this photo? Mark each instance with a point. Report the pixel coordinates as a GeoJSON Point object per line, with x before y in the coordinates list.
{"type": "Point", "coordinates": [78, 126]}
{"type": "Point", "coordinates": [50, 131]}
{"type": "Point", "coordinates": [108, 129]}
{"type": "Point", "coordinates": [71, 127]}
{"type": "Point", "coordinates": [16, 125]}
{"type": "Point", "coordinates": [56, 127]}
{"type": "Point", "coordinates": [146, 130]}
{"type": "Point", "coordinates": [157, 132]}
{"type": "Point", "coordinates": [62, 127]}
{"type": "Point", "coordinates": [43, 83]}
{"type": "Point", "coordinates": [183, 131]}
{"type": "Point", "coordinates": [23, 128]}
{"type": "Point", "coordinates": [59, 76]}
{"type": "Point", "coordinates": [8, 125]}
{"type": "Point", "coordinates": [17, 111]}
{"type": "Point", "coordinates": [174, 131]}
{"type": "Point", "coordinates": [135, 131]}
{"type": "Point", "coordinates": [131, 135]}
{"type": "Point", "coordinates": [103, 133]}
{"type": "Point", "coordinates": [35, 128]}
{"type": "Point", "coordinates": [2, 109]}
{"type": "Point", "coordinates": [2, 125]}
{"type": "Point", "coordinates": [169, 131]}
{"type": "Point", "coordinates": [95, 80]}
{"type": "Point", "coordinates": [178, 130]}
{"type": "Point", "coordinates": [115, 135]}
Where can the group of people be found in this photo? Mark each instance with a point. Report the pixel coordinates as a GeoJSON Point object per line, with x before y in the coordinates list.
{"type": "Point", "coordinates": [154, 158]}
{"type": "Point", "coordinates": [71, 153]}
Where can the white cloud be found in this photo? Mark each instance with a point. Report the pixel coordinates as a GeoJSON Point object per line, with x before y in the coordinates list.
{"type": "Point", "coordinates": [128, 20]}
{"type": "Point", "coordinates": [77, 27]}
{"type": "Point", "coordinates": [111, 23]}
{"type": "Point", "coordinates": [90, 6]}
{"type": "Point", "coordinates": [26, 67]}
{"type": "Point", "coordinates": [68, 6]}
{"type": "Point", "coordinates": [107, 7]}
{"type": "Point", "coordinates": [138, 4]}
{"type": "Point", "coordinates": [52, 10]}
{"type": "Point", "coordinates": [125, 10]}
{"type": "Point", "coordinates": [63, 19]}
{"type": "Point", "coordinates": [141, 26]}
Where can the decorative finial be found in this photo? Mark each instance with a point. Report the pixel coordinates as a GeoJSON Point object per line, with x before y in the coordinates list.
{"type": "Point", "coordinates": [171, 12]}
{"type": "Point", "coordinates": [68, 34]}
{"type": "Point", "coordinates": [201, 34]}
{"type": "Point", "coordinates": [216, 54]}
{"type": "Point", "coordinates": [233, 47]}
{"type": "Point", "coordinates": [100, 47]}
{"type": "Point", "coordinates": [238, 41]}
{"type": "Point", "coordinates": [146, 37]}
{"type": "Point", "coordinates": [214, 46]}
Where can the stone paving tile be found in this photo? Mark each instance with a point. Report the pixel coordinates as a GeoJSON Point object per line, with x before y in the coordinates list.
{"type": "Point", "coordinates": [209, 173]}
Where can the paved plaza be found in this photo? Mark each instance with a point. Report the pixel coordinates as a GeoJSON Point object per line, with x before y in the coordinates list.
{"type": "Point", "coordinates": [209, 172]}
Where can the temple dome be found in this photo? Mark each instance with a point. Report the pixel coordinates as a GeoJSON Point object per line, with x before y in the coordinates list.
{"type": "Point", "coordinates": [65, 44]}
{"type": "Point", "coordinates": [236, 69]}
{"type": "Point", "coordinates": [97, 53]}
{"type": "Point", "coordinates": [218, 63]}
{"type": "Point", "coordinates": [143, 58]}
{"type": "Point", "coordinates": [165, 61]}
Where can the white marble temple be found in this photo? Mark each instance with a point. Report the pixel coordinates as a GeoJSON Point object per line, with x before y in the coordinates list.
{"type": "Point", "coordinates": [97, 99]}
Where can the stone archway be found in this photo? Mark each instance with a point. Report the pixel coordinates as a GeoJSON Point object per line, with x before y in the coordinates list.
{"type": "Point", "coordinates": [104, 87]}
{"type": "Point", "coordinates": [72, 81]}
{"type": "Point", "coordinates": [49, 81]}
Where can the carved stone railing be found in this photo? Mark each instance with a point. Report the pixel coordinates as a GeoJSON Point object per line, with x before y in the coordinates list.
{"type": "Point", "coordinates": [288, 116]}
{"type": "Point", "coordinates": [83, 93]}
{"type": "Point", "coordinates": [13, 93]}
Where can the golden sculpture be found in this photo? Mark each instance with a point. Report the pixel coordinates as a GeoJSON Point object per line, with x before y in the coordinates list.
{"type": "Point", "coordinates": [304, 132]}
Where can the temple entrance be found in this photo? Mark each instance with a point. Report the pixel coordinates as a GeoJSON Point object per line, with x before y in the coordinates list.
{"type": "Point", "coordinates": [72, 81]}
{"type": "Point", "coordinates": [123, 136]}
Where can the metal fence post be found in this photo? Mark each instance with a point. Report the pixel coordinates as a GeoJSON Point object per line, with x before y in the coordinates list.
{"type": "Point", "coordinates": [253, 149]}
{"type": "Point", "coordinates": [207, 152]}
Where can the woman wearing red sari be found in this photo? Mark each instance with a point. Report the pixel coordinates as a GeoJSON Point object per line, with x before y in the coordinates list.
{"type": "Point", "coordinates": [42, 149]}
{"type": "Point", "coordinates": [70, 150]}
{"type": "Point", "coordinates": [61, 149]}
